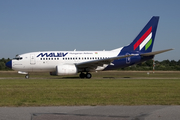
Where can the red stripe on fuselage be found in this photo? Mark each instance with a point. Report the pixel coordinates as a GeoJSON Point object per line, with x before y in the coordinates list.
{"type": "Point", "coordinates": [142, 38]}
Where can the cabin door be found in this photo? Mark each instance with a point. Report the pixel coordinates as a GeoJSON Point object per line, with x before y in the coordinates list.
{"type": "Point", "coordinates": [32, 59]}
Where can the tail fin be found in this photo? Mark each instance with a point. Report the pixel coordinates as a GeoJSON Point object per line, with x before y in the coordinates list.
{"type": "Point", "coordinates": [144, 41]}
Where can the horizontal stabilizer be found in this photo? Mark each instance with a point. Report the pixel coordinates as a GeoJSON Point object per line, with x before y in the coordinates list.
{"type": "Point", "coordinates": [154, 53]}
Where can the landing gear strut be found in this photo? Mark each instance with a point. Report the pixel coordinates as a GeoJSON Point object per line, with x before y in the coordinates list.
{"type": "Point", "coordinates": [87, 75]}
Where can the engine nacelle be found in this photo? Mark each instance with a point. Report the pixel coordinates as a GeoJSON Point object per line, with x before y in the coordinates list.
{"type": "Point", "coordinates": [66, 70]}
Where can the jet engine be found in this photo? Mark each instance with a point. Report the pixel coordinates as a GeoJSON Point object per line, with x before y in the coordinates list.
{"type": "Point", "coordinates": [66, 70]}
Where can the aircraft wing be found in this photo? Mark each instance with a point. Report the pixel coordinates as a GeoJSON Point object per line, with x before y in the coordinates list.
{"type": "Point", "coordinates": [94, 63]}
{"type": "Point", "coordinates": [154, 53]}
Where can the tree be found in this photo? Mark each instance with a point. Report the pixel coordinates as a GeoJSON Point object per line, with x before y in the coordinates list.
{"type": "Point", "coordinates": [2, 66]}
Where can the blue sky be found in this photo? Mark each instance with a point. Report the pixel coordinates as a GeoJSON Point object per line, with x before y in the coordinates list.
{"type": "Point", "coordinates": [43, 25]}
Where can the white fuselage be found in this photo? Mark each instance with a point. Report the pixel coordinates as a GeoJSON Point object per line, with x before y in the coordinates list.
{"type": "Point", "coordinates": [48, 60]}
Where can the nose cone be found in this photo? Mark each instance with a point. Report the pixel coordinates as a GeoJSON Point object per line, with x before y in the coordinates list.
{"type": "Point", "coordinates": [9, 64]}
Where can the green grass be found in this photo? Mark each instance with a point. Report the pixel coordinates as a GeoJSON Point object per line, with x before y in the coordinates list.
{"type": "Point", "coordinates": [106, 88]}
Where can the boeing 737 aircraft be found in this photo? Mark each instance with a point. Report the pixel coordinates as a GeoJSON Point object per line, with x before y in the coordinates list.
{"type": "Point", "coordinates": [84, 62]}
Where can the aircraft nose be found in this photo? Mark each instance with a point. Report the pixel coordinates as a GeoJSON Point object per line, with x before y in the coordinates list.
{"type": "Point", "coordinates": [9, 64]}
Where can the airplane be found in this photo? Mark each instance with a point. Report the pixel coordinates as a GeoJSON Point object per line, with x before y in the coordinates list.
{"type": "Point", "coordinates": [84, 62]}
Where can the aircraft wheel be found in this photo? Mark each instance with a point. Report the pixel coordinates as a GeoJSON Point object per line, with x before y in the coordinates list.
{"type": "Point", "coordinates": [82, 75]}
{"type": "Point", "coordinates": [88, 75]}
{"type": "Point", "coordinates": [27, 76]}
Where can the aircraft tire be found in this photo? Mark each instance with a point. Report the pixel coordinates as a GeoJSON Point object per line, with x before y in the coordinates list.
{"type": "Point", "coordinates": [82, 75]}
{"type": "Point", "coordinates": [88, 75]}
{"type": "Point", "coordinates": [27, 76]}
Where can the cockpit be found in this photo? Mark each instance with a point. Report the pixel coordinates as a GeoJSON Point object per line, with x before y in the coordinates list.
{"type": "Point", "coordinates": [17, 58]}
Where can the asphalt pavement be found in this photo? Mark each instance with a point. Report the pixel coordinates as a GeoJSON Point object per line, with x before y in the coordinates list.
{"type": "Point", "coordinates": [154, 112]}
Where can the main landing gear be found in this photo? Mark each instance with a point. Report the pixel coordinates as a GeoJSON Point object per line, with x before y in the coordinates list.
{"type": "Point", "coordinates": [87, 75]}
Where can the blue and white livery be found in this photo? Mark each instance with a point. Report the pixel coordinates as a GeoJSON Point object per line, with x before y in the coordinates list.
{"type": "Point", "coordinates": [84, 62]}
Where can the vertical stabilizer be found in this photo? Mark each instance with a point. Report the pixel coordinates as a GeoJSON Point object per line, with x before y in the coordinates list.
{"type": "Point", "coordinates": [143, 43]}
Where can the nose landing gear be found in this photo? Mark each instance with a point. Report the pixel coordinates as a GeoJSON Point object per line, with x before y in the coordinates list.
{"type": "Point", "coordinates": [27, 76]}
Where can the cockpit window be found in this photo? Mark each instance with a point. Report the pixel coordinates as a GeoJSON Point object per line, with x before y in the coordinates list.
{"type": "Point", "coordinates": [17, 58]}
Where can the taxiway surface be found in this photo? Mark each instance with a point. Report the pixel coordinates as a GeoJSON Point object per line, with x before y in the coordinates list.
{"type": "Point", "coordinates": [155, 112]}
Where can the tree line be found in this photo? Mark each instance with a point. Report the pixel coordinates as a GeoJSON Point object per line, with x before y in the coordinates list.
{"type": "Point", "coordinates": [158, 65]}
{"type": "Point", "coordinates": [3, 62]}
{"type": "Point", "coordinates": [147, 65]}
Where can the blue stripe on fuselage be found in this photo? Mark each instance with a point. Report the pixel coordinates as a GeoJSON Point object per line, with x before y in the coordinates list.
{"type": "Point", "coordinates": [121, 63]}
